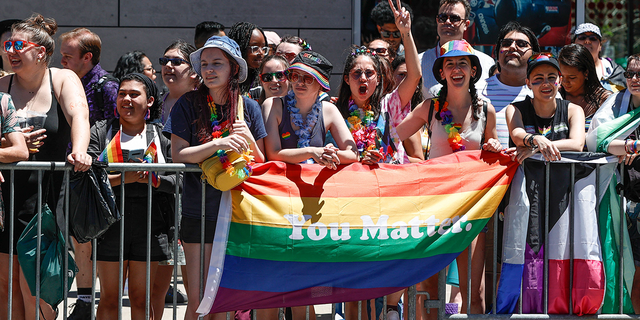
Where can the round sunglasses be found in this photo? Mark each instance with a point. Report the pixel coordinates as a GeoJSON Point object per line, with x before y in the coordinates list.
{"type": "Point", "coordinates": [280, 76]}
{"type": "Point", "coordinates": [295, 77]}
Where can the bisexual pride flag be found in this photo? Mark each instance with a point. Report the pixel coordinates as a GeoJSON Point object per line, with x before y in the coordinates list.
{"type": "Point", "coordinates": [298, 234]}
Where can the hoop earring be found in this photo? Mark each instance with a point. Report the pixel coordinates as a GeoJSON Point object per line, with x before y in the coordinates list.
{"type": "Point", "coordinates": [116, 114]}
{"type": "Point", "coordinates": [148, 115]}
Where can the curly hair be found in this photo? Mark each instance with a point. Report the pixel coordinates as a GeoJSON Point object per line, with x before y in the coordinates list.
{"type": "Point", "coordinates": [130, 62]}
{"type": "Point", "coordinates": [41, 31]}
{"type": "Point", "coordinates": [577, 56]}
{"type": "Point", "coordinates": [241, 33]}
{"type": "Point", "coordinates": [344, 94]}
{"type": "Point", "coordinates": [381, 13]}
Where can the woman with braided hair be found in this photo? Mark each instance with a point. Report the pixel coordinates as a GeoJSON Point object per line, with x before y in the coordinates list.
{"type": "Point", "coordinates": [457, 120]}
{"type": "Point", "coordinates": [253, 46]}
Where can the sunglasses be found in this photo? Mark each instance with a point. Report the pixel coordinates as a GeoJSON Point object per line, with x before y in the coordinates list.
{"type": "Point", "coordinates": [280, 76]}
{"type": "Point", "coordinates": [255, 49]}
{"type": "Point", "coordinates": [18, 45]}
{"type": "Point", "coordinates": [294, 77]}
{"type": "Point", "coordinates": [443, 17]}
{"type": "Point", "coordinates": [591, 38]}
{"type": "Point", "coordinates": [357, 74]}
{"type": "Point", "coordinates": [522, 44]}
{"type": "Point", "coordinates": [287, 55]}
{"type": "Point", "coordinates": [381, 51]}
{"type": "Point", "coordinates": [389, 34]}
{"type": "Point", "coordinates": [174, 61]}
{"type": "Point", "coordinates": [631, 74]}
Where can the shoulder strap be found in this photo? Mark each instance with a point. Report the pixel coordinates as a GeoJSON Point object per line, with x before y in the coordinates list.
{"type": "Point", "coordinates": [484, 128]}
{"type": "Point", "coordinates": [10, 82]}
{"type": "Point", "coordinates": [431, 109]}
{"type": "Point", "coordinates": [240, 115]}
{"type": "Point", "coordinates": [99, 89]}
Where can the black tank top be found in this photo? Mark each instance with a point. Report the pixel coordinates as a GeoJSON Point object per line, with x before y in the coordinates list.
{"type": "Point", "coordinates": [288, 136]}
{"type": "Point", "coordinates": [554, 128]}
{"type": "Point", "coordinates": [58, 133]}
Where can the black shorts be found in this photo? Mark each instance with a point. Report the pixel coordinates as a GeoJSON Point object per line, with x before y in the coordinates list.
{"type": "Point", "coordinates": [135, 234]}
{"type": "Point", "coordinates": [190, 230]}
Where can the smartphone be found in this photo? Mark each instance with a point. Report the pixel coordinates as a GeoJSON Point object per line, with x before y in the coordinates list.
{"type": "Point", "coordinates": [136, 155]}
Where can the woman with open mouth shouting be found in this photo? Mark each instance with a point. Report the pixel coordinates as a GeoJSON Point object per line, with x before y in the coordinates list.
{"type": "Point", "coordinates": [371, 113]}
{"type": "Point", "coordinates": [545, 123]}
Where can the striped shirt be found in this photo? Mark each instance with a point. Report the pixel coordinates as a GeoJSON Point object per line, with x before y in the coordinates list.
{"type": "Point", "coordinates": [502, 95]}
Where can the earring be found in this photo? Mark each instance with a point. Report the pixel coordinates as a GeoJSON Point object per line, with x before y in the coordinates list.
{"type": "Point", "coordinates": [148, 115]}
{"type": "Point", "coordinates": [115, 113]}
{"type": "Point", "coordinates": [38, 60]}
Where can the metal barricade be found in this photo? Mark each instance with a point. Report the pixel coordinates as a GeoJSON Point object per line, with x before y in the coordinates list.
{"type": "Point", "coordinates": [436, 305]}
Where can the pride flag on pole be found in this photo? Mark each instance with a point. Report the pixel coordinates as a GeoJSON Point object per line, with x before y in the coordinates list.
{"type": "Point", "coordinates": [113, 152]}
{"type": "Point", "coordinates": [303, 234]}
{"type": "Point", "coordinates": [151, 156]}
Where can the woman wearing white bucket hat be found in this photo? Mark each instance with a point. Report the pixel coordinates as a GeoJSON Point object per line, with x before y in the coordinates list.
{"type": "Point", "coordinates": [201, 123]}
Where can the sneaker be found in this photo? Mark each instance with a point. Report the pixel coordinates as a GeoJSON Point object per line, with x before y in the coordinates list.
{"type": "Point", "coordinates": [81, 311]}
{"type": "Point", "coordinates": [180, 297]}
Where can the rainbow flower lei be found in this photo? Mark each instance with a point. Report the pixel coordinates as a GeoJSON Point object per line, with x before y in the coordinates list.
{"type": "Point", "coordinates": [363, 128]}
{"type": "Point", "coordinates": [221, 130]}
{"type": "Point", "coordinates": [452, 129]}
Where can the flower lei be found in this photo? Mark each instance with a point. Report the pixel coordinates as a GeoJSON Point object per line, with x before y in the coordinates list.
{"type": "Point", "coordinates": [452, 129]}
{"type": "Point", "coordinates": [304, 127]}
{"type": "Point", "coordinates": [363, 128]}
{"type": "Point", "coordinates": [221, 130]}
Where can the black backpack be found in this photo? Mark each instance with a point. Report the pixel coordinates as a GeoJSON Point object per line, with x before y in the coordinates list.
{"type": "Point", "coordinates": [98, 88]}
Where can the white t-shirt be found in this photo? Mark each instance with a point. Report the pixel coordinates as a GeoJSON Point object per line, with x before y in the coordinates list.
{"type": "Point", "coordinates": [501, 95]}
{"type": "Point", "coordinates": [430, 86]}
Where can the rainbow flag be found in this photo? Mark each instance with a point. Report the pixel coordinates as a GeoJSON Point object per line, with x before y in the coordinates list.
{"type": "Point", "coordinates": [151, 156]}
{"type": "Point", "coordinates": [113, 152]}
{"type": "Point", "coordinates": [302, 234]}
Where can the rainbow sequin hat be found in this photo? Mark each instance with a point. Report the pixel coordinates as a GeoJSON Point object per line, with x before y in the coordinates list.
{"type": "Point", "coordinates": [457, 48]}
{"type": "Point", "coordinates": [314, 64]}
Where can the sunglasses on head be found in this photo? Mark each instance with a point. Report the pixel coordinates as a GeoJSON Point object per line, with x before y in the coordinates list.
{"type": "Point", "coordinates": [591, 38]}
{"type": "Point", "coordinates": [255, 49]}
{"type": "Point", "coordinates": [389, 34]}
{"type": "Point", "coordinates": [18, 45]}
{"type": "Point", "coordinates": [280, 76]}
{"type": "Point", "coordinates": [631, 74]}
{"type": "Point", "coordinates": [443, 17]}
{"type": "Point", "coordinates": [522, 44]}
{"type": "Point", "coordinates": [294, 77]}
{"type": "Point", "coordinates": [380, 51]}
{"type": "Point", "coordinates": [357, 74]}
{"type": "Point", "coordinates": [541, 56]}
{"type": "Point", "coordinates": [174, 61]}
{"type": "Point", "coordinates": [287, 55]}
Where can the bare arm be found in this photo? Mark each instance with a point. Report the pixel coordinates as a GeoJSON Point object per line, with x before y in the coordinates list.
{"type": "Point", "coordinates": [414, 120]}
{"type": "Point", "coordinates": [413, 147]}
{"type": "Point", "coordinates": [491, 142]}
{"type": "Point", "coordinates": [70, 94]}
{"type": "Point", "coordinates": [347, 152]}
{"type": "Point", "coordinates": [408, 86]}
{"type": "Point", "coordinates": [14, 148]}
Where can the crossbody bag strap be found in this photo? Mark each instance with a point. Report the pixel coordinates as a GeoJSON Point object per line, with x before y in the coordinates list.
{"type": "Point", "coordinates": [431, 109]}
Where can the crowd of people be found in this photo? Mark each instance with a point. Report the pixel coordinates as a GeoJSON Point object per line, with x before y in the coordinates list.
{"type": "Point", "coordinates": [248, 90]}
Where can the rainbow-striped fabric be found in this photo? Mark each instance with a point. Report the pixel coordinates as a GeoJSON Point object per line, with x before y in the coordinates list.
{"type": "Point", "coordinates": [151, 156]}
{"type": "Point", "coordinates": [303, 234]}
{"type": "Point", "coordinates": [113, 152]}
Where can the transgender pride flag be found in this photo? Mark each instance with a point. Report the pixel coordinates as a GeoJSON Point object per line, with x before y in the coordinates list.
{"type": "Point", "coordinates": [302, 234]}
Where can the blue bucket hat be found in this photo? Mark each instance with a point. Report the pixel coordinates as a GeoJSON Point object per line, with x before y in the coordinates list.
{"type": "Point", "coordinates": [227, 45]}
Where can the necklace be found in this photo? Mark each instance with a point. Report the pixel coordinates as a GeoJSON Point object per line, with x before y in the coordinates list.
{"type": "Point", "coordinates": [363, 128]}
{"type": "Point", "coordinates": [304, 127]}
{"type": "Point", "coordinates": [452, 129]}
{"type": "Point", "coordinates": [219, 130]}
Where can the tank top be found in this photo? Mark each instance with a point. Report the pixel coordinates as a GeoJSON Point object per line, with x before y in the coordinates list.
{"type": "Point", "coordinates": [288, 136]}
{"type": "Point", "coordinates": [58, 130]}
{"type": "Point", "coordinates": [554, 128]}
{"type": "Point", "coordinates": [471, 136]}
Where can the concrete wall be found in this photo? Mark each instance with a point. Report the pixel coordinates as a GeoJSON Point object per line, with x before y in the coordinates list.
{"type": "Point", "coordinates": [151, 25]}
